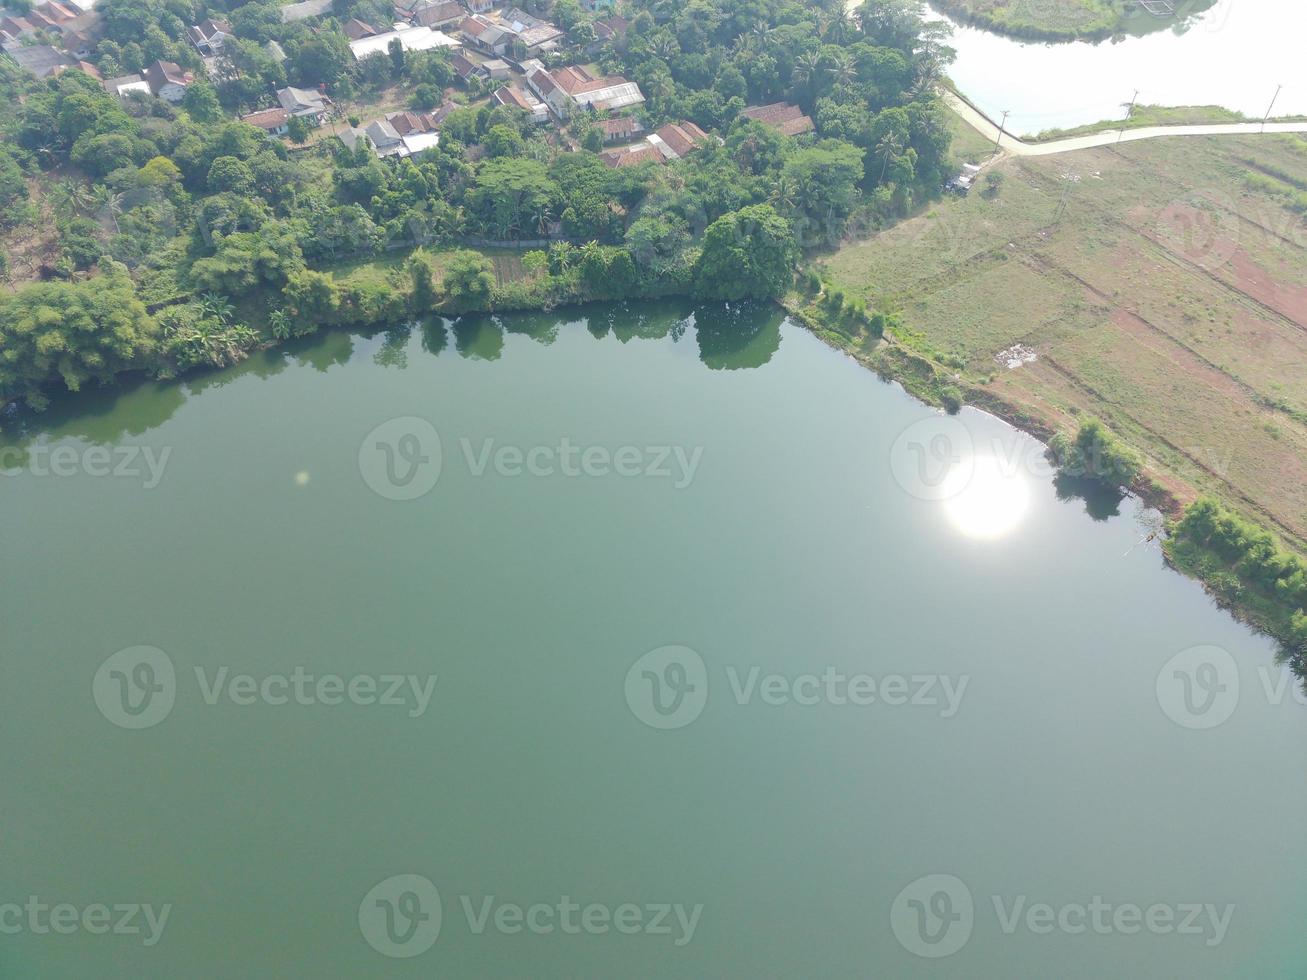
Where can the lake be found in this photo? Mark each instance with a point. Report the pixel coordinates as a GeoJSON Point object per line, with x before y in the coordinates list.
{"type": "Point", "coordinates": [631, 641]}
{"type": "Point", "coordinates": [1233, 55]}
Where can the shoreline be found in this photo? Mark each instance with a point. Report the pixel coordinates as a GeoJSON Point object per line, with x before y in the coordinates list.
{"type": "Point", "coordinates": [919, 377]}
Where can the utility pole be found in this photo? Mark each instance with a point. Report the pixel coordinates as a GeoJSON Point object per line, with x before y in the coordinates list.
{"type": "Point", "coordinates": [1271, 106]}
{"type": "Point", "coordinates": [1128, 114]}
{"type": "Point", "coordinates": [1001, 127]}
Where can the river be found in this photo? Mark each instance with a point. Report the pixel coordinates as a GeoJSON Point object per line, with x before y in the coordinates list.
{"type": "Point", "coordinates": [1233, 55]}
{"type": "Point", "coordinates": [731, 678]}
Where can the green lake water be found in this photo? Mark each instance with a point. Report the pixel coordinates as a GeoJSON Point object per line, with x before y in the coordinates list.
{"type": "Point", "coordinates": [898, 718]}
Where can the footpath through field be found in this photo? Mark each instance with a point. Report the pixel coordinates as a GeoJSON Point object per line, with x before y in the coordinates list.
{"type": "Point", "coordinates": [1009, 143]}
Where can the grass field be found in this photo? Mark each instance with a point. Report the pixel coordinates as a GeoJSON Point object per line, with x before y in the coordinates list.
{"type": "Point", "coordinates": [1069, 19]}
{"type": "Point", "coordinates": [1163, 285]}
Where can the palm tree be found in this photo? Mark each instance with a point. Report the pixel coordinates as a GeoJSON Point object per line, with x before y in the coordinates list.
{"type": "Point", "coordinates": [783, 196]}
{"type": "Point", "coordinates": [543, 216]}
{"type": "Point", "coordinates": [806, 67]}
{"type": "Point", "coordinates": [79, 195]}
{"type": "Point", "coordinates": [841, 68]}
{"type": "Point", "coordinates": [665, 46]}
{"type": "Point", "coordinates": [890, 146]}
{"type": "Point", "coordinates": [841, 27]}
{"type": "Point", "coordinates": [108, 202]}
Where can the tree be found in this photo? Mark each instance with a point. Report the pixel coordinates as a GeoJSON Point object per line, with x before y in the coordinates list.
{"type": "Point", "coordinates": [1095, 454]}
{"type": "Point", "coordinates": [469, 280]}
{"type": "Point", "coordinates": [231, 175]}
{"type": "Point", "coordinates": [201, 101]}
{"type": "Point", "coordinates": [72, 332]}
{"type": "Point", "coordinates": [424, 291]}
{"type": "Point", "coordinates": [298, 129]}
{"type": "Point", "coordinates": [503, 141]}
{"type": "Point", "coordinates": [748, 253]}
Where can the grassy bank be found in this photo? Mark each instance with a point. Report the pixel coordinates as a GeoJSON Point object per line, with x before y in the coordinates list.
{"type": "Point", "coordinates": [1066, 20]}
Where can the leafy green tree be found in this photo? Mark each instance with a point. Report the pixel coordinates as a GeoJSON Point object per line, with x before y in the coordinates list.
{"type": "Point", "coordinates": [424, 290]}
{"type": "Point", "coordinates": [201, 101]}
{"type": "Point", "coordinates": [1095, 454]}
{"type": "Point", "coordinates": [748, 253]}
{"type": "Point", "coordinates": [469, 281]}
{"type": "Point", "coordinates": [504, 141]}
{"type": "Point", "coordinates": [71, 333]}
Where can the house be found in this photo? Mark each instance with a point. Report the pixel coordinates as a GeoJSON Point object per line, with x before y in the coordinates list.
{"type": "Point", "coordinates": [611, 28]}
{"type": "Point", "coordinates": [55, 12]}
{"type": "Point", "coordinates": [631, 157]}
{"type": "Point", "coordinates": [675, 140]}
{"type": "Point", "coordinates": [304, 10]}
{"type": "Point", "coordinates": [41, 60]}
{"type": "Point", "coordinates": [788, 119]}
{"type": "Point", "coordinates": [542, 83]}
{"type": "Point", "coordinates": [438, 16]}
{"type": "Point", "coordinates": [125, 85]}
{"type": "Point", "coordinates": [78, 44]}
{"type": "Point", "coordinates": [13, 28]}
{"type": "Point", "coordinates": [621, 130]}
{"type": "Point", "coordinates": [357, 30]}
{"type": "Point", "coordinates": [167, 80]}
{"type": "Point", "coordinates": [518, 98]}
{"type": "Point", "coordinates": [539, 39]}
{"type": "Point", "coordinates": [208, 36]}
{"type": "Point", "coordinates": [564, 88]}
{"type": "Point", "coordinates": [496, 69]}
{"type": "Point", "coordinates": [273, 121]}
{"type": "Point", "coordinates": [305, 103]}
{"type": "Point", "coordinates": [466, 70]}
{"type": "Point", "coordinates": [400, 134]}
{"type": "Point", "coordinates": [410, 39]}
{"type": "Point", "coordinates": [534, 34]}
{"type": "Point", "coordinates": [482, 32]}
{"type": "Point", "coordinates": [275, 51]}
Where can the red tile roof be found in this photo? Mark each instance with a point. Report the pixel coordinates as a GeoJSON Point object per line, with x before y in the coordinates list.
{"type": "Point", "coordinates": [789, 119]}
